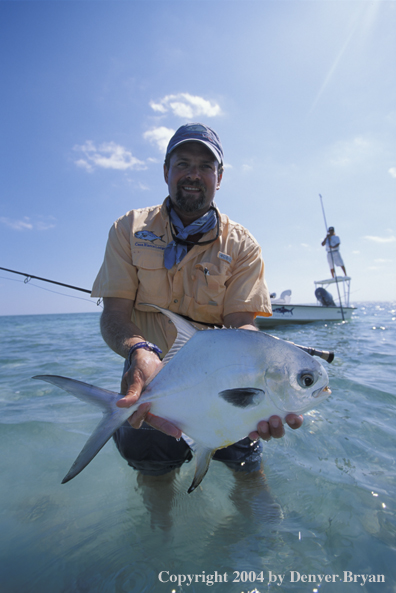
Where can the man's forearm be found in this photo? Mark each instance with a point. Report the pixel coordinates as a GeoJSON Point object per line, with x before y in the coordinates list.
{"type": "Point", "coordinates": [241, 320]}
{"type": "Point", "coordinates": [119, 333]}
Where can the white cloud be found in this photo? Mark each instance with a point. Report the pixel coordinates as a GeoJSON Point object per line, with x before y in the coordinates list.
{"type": "Point", "coordinates": [84, 165]}
{"type": "Point", "coordinates": [247, 168]}
{"type": "Point", "coordinates": [107, 155]}
{"type": "Point", "coordinates": [348, 152]}
{"type": "Point", "coordinates": [41, 225]}
{"type": "Point", "coordinates": [159, 136]}
{"type": "Point", "coordinates": [392, 171]}
{"type": "Point", "coordinates": [186, 106]}
{"type": "Point", "coordinates": [390, 239]}
{"type": "Point", "coordinates": [26, 223]}
{"type": "Point", "coordinates": [18, 225]}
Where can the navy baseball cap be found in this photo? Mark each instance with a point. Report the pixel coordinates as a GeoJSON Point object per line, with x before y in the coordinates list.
{"type": "Point", "coordinates": [197, 133]}
{"type": "Point", "coordinates": [331, 228]}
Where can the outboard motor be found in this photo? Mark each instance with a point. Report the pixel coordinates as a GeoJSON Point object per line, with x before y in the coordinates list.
{"type": "Point", "coordinates": [324, 297]}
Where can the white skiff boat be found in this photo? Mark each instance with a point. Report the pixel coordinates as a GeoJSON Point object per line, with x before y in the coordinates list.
{"type": "Point", "coordinates": [327, 307]}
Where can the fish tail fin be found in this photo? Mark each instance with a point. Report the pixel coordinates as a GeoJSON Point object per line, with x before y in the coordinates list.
{"type": "Point", "coordinates": [102, 433]}
{"type": "Point", "coordinates": [113, 417]}
{"type": "Point", "coordinates": [203, 458]}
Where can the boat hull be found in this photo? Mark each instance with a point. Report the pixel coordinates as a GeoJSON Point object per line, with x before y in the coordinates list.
{"type": "Point", "coordinates": [293, 314]}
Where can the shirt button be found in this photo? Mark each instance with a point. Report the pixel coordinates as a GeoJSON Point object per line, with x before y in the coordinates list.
{"type": "Point", "coordinates": [175, 301]}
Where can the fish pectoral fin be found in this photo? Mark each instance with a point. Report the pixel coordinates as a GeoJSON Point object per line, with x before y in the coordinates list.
{"type": "Point", "coordinates": [203, 456]}
{"type": "Point", "coordinates": [243, 397]}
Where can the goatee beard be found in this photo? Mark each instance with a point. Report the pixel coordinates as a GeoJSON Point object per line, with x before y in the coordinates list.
{"type": "Point", "coordinates": [186, 204]}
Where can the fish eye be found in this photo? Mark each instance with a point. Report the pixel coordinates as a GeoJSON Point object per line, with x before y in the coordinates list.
{"type": "Point", "coordinates": [306, 379]}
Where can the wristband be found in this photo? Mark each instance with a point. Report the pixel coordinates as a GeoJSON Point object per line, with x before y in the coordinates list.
{"type": "Point", "coordinates": [146, 346]}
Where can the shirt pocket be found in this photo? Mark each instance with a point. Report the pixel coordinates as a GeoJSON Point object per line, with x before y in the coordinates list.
{"type": "Point", "coordinates": [209, 284]}
{"type": "Point", "coordinates": [153, 282]}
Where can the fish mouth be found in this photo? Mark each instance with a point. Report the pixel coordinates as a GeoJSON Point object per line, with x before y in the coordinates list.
{"type": "Point", "coordinates": [318, 392]}
{"type": "Point", "coordinates": [322, 391]}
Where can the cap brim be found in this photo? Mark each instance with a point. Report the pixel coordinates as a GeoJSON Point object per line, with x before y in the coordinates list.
{"type": "Point", "coordinates": [207, 144]}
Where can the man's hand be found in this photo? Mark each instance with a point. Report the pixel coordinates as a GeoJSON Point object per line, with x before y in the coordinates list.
{"type": "Point", "coordinates": [274, 427]}
{"type": "Point", "coordinates": [144, 364]}
{"type": "Point", "coordinates": [120, 333]}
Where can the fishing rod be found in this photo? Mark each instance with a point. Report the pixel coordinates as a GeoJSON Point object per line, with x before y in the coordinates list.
{"type": "Point", "coordinates": [328, 356]}
{"type": "Point", "coordinates": [332, 260]}
{"type": "Point", "coordinates": [29, 277]}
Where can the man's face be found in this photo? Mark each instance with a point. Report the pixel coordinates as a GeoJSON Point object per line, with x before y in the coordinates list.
{"type": "Point", "coordinates": [192, 179]}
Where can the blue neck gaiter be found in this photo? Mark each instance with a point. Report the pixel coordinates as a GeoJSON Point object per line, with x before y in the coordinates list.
{"type": "Point", "coordinates": [174, 251]}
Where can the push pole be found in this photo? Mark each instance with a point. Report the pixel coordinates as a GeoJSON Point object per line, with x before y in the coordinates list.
{"type": "Point", "coordinates": [332, 260]}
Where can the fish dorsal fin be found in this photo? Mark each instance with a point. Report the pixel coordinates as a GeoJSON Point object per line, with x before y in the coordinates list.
{"type": "Point", "coordinates": [243, 397]}
{"type": "Point", "coordinates": [185, 331]}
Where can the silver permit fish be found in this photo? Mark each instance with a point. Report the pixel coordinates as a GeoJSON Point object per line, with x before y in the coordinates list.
{"type": "Point", "coordinates": [215, 385]}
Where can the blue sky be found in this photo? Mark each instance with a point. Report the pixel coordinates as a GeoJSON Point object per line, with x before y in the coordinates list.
{"type": "Point", "coordinates": [302, 94]}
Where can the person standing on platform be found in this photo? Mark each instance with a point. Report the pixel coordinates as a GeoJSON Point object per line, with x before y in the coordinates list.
{"type": "Point", "coordinates": [334, 258]}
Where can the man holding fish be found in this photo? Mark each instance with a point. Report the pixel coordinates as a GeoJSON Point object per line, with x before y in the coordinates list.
{"type": "Point", "coordinates": [186, 257]}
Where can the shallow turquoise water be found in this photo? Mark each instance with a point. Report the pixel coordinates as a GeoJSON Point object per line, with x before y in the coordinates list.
{"type": "Point", "coordinates": [334, 479]}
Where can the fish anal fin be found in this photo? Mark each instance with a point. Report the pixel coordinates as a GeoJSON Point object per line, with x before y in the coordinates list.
{"type": "Point", "coordinates": [203, 456]}
{"type": "Point", "coordinates": [243, 397]}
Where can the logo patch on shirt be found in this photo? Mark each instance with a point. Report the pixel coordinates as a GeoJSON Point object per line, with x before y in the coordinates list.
{"type": "Point", "coordinates": [148, 236]}
{"type": "Point", "coordinates": [225, 257]}
{"type": "Point", "coordinates": [150, 246]}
